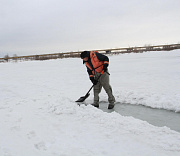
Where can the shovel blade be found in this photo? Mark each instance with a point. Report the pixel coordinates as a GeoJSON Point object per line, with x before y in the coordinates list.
{"type": "Point", "coordinates": [81, 99]}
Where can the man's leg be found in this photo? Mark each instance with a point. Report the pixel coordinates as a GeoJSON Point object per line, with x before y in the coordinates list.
{"type": "Point", "coordinates": [97, 90]}
{"type": "Point", "coordinates": [107, 87]}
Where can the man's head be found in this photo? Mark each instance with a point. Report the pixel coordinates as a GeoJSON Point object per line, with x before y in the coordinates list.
{"type": "Point", "coordinates": [84, 55]}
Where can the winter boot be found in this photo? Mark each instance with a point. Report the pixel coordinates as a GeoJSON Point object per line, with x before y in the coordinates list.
{"type": "Point", "coordinates": [111, 106]}
{"type": "Point", "coordinates": [95, 105]}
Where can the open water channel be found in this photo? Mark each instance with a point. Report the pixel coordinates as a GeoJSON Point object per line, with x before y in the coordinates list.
{"type": "Point", "coordinates": [157, 117]}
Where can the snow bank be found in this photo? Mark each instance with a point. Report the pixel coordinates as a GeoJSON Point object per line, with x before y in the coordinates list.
{"type": "Point", "coordinates": [151, 79]}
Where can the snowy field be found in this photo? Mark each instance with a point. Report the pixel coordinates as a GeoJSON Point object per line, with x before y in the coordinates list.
{"type": "Point", "coordinates": [38, 115]}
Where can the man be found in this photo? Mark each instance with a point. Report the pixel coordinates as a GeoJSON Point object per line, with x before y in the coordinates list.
{"type": "Point", "coordinates": [97, 64]}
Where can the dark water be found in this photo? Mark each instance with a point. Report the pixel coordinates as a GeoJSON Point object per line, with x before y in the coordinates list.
{"type": "Point", "coordinates": [157, 117]}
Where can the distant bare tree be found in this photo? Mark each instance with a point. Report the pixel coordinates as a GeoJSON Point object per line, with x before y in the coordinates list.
{"type": "Point", "coordinates": [6, 57]}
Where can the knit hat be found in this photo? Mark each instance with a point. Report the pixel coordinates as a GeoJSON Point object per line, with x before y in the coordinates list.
{"type": "Point", "coordinates": [84, 54]}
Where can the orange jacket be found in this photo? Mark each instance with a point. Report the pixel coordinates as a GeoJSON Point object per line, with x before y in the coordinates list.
{"type": "Point", "coordinates": [96, 62]}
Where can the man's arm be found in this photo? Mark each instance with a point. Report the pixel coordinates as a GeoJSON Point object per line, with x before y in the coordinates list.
{"type": "Point", "coordinates": [102, 57]}
{"type": "Point", "coordinates": [105, 59]}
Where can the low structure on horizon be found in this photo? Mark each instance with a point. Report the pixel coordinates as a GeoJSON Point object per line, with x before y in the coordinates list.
{"type": "Point", "coordinates": [105, 51]}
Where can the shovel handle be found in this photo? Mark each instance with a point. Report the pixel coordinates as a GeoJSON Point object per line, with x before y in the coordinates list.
{"type": "Point", "coordinates": [87, 94]}
{"type": "Point", "coordinates": [97, 79]}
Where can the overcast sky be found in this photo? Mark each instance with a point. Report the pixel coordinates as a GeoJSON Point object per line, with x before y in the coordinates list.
{"type": "Point", "coordinates": [49, 26]}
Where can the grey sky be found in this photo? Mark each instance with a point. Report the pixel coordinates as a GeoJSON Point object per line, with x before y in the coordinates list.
{"type": "Point", "coordinates": [48, 26]}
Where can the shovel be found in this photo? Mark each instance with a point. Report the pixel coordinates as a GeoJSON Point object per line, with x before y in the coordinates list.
{"type": "Point", "coordinates": [81, 99]}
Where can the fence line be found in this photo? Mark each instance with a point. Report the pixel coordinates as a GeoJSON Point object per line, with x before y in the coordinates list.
{"type": "Point", "coordinates": [104, 51]}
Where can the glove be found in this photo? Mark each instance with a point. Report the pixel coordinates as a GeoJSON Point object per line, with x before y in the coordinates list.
{"type": "Point", "coordinates": [93, 80]}
{"type": "Point", "coordinates": [105, 67]}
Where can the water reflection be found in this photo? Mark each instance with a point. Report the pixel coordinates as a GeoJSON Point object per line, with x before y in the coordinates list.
{"type": "Point", "coordinates": [157, 117]}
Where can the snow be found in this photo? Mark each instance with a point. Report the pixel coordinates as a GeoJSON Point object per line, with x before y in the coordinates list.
{"type": "Point", "coordinates": [38, 115]}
